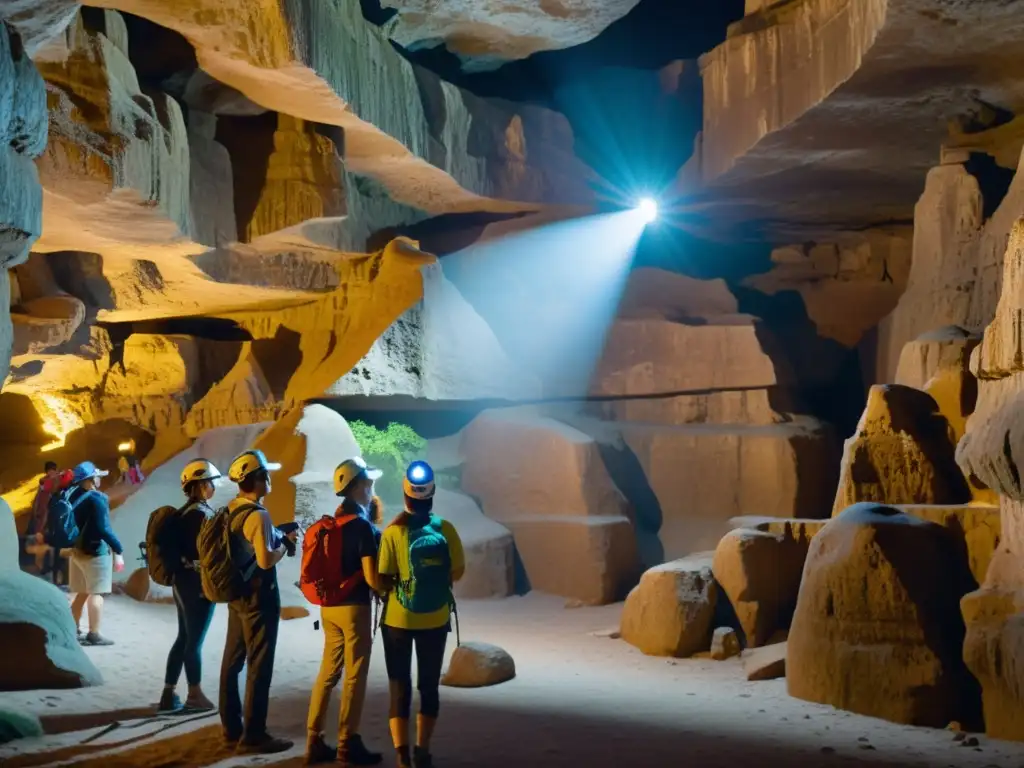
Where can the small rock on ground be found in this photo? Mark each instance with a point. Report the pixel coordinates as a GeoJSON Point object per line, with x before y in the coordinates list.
{"type": "Point", "coordinates": [474, 665]}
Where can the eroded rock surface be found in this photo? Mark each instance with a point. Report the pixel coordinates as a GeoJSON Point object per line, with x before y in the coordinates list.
{"type": "Point", "coordinates": [877, 628]}
{"type": "Point", "coordinates": [475, 665]}
{"type": "Point", "coordinates": [671, 611]}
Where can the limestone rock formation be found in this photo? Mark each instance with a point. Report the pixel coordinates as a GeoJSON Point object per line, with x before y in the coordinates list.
{"type": "Point", "coordinates": [475, 665]}
{"type": "Point", "coordinates": [485, 35]}
{"type": "Point", "coordinates": [765, 663]}
{"type": "Point", "coordinates": [877, 628]}
{"type": "Point", "coordinates": [39, 647]}
{"type": "Point", "coordinates": [790, 76]}
{"type": "Point", "coordinates": [139, 586]}
{"type": "Point", "coordinates": [725, 644]}
{"type": "Point", "coordinates": [940, 349]}
{"type": "Point", "coordinates": [440, 349]}
{"type": "Point", "coordinates": [115, 170]}
{"type": "Point", "coordinates": [412, 136]}
{"type": "Point", "coordinates": [546, 482]}
{"type": "Point", "coordinates": [961, 233]}
{"type": "Point", "coordinates": [759, 573]}
{"type": "Point", "coordinates": [848, 285]}
{"type": "Point", "coordinates": [902, 453]}
{"type": "Point", "coordinates": [23, 134]}
{"type": "Point", "coordinates": [671, 611]}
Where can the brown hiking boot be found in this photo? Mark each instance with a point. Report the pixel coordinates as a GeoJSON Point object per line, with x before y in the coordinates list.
{"type": "Point", "coordinates": [263, 745]}
{"type": "Point", "coordinates": [352, 752]}
{"type": "Point", "coordinates": [318, 751]}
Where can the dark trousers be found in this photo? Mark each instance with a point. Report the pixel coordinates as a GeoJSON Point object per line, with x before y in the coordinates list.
{"type": "Point", "coordinates": [194, 615]}
{"type": "Point", "coordinates": [252, 639]}
{"type": "Point", "coordinates": [398, 646]}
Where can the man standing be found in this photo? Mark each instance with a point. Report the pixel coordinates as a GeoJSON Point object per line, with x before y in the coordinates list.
{"type": "Point", "coordinates": [347, 619]}
{"type": "Point", "coordinates": [48, 483]}
{"type": "Point", "coordinates": [253, 619]}
{"type": "Point", "coordinates": [96, 554]}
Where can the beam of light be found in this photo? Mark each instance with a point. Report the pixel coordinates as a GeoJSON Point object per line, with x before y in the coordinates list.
{"type": "Point", "coordinates": [648, 208]}
{"type": "Point", "coordinates": [58, 419]}
{"type": "Point", "coordinates": [550, 293]}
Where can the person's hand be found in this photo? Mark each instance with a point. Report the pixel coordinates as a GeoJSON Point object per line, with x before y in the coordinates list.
{"type": "Point", "coordinates": [118, 563]}
{"type": "Point", "coordinates": [292, 536]}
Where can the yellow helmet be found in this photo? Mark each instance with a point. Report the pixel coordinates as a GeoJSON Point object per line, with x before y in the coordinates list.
{"type": "Point", "coordinates": [248, 462]}
{"type": "Point", "coordinates": [349, 470]}
{"type": "Point", "coordinates": [198, 469]}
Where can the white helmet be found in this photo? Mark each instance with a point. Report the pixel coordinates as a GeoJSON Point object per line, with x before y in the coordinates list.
{"type": "Point", "coordinates": [349, 470]}
{"type": "Point", "coordinates": [199, 469]}
{"type": "Point", "coordinates": [248, 462]}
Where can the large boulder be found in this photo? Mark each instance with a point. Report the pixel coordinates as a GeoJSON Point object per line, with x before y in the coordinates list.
{"type": "Point", "coordinates": [946, 348]}
{"type": "Point", "coordinates": [759, 572]}
{"type": "Point", "coordinates": [902, 453]}
{"type": "Point", "coordinates": [877, 627]}
{"type": "Point", "coordinates": [474, 665]}
{"type": "Point", "coordinates": [671, 611]}
{"type": "Point", "coordinates": [546, 483]}
{"type": "Point", "coordinates": [39, 645]}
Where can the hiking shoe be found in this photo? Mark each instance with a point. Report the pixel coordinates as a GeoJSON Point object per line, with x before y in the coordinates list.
{"type": "Point", "coordinates": [95, 638]}
{"type": "Point", "coordinates": [421, 758]}
{"type": "Point", "coordinates": [318, 751]}
{"type": "Point", "coordinates": [353, 752]}
{"type": "Point", "coordinates": [197, 702]}
{"type": "Point", "coordinates": [263, 745]}
{"type": "Point", "coordinates": [402, 759]}
{"type": "Point", "coordinates": [169, 701]}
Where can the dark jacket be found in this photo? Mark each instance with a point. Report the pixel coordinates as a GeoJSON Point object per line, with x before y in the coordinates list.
{"type": "Point", "coordinates": [92, 513]}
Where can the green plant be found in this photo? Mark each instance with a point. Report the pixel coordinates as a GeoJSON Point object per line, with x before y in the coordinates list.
{"type": "Point", "coordinates": [390, 450]}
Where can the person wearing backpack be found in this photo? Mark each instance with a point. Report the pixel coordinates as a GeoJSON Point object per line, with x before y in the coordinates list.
{"type": "Point", "coordinates": [339, 570]}
{"type": "Point", "coordinates": [96, 550]}
{"type": "Point", "coordinates": [422, 555]}
{"type": "Point", "coordinates": [239, 549]}
{"type": "Point", "coordinates": [172, 555]}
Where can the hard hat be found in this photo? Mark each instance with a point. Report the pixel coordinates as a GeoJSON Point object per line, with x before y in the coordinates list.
{"type": "Point", "coordinates": [248, 462]}
{"type": "Point", "coordinates": [199, 469]}
{"type": "Point", "coordinates": [86, 471]}
{"type": "Point", "coordinates": [349, 470]}
{"type": "Point", "coordinates": [418, 482]}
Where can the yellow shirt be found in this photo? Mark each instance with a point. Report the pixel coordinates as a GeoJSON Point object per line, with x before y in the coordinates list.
{"type": "Point", "coordinates": [394, 560]}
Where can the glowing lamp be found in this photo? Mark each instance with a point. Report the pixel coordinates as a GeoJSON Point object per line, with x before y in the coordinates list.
{"type": "Point", "coordinates": [648, 208]}
{"type": "Point", "coordinates": [124, 447]}
{"type": "Point", "coordinates": [417, 473]}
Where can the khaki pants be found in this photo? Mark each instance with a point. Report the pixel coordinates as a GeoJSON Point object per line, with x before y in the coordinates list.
{"type": "Point", "coordinates": [348, 639]}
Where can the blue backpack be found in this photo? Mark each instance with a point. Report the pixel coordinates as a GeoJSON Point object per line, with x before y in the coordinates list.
{"type": "Point", "coordinates": [429, 586]}
{"type": "Point", "coordinates": [61, 526]}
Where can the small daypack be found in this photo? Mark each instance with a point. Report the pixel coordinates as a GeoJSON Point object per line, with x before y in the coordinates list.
{"type": "Point", "coordinates": [222, 577]}
{"type": "Point", "coordinates": [61, 527]}
{"type": "Point", "coordinates": [428, 587]}
{"type": "Point", "coordinates": [321, 579]}
{"type": "Point", "coordinates": [163, 544]}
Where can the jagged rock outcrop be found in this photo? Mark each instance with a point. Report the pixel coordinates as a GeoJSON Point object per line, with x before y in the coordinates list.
{"type": "Point", "coordinates": [815, 77]}
{"type": "Point", "coordinates": [485, 35]}
{"type": "Point", "coordinates": [902, 453]}
{"type": "Point", "coordinates": [848, 285]}
{"type": "Point", "coordinates": [23, 135]}
{"type": "Point", "coordinates": [432, 146]}
{"type": "Point", "coordinates": [877, 628]}
{"type": "Point", "coordinates": [961, 234]}
{"type": "Point", "coordinates": [115, 171]}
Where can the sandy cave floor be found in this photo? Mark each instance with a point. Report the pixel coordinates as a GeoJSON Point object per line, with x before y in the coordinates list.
{"type": "Point", "coordinates": [579, 699]}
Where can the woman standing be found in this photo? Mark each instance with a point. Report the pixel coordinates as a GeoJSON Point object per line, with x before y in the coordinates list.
{"type": "Point", "coordinates": [194, 610]}
{"type": "Point", "coordinates": [422, 554]}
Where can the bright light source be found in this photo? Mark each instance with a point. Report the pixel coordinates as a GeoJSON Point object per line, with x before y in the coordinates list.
{"type": "Point", "coordinates": [124, 448]}
{"type": "Point", "coordinates": [649, 209]}
{"type": "Point", "coordinates": [417, 473]}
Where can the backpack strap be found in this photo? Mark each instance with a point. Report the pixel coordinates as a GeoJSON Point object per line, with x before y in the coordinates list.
{"type": "Point", "coordinates": [242, 512]}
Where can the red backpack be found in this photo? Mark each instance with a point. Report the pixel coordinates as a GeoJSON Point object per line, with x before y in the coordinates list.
{"type": "Point", "coordinates": [321, 581]}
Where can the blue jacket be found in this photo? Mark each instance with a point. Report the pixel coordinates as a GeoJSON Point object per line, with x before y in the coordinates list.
{"type": "Point", "coordinates": [92, 513]}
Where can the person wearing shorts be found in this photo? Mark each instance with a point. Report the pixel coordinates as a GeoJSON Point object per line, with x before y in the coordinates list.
{"type": "Point", "coordinates": [96, 554]}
